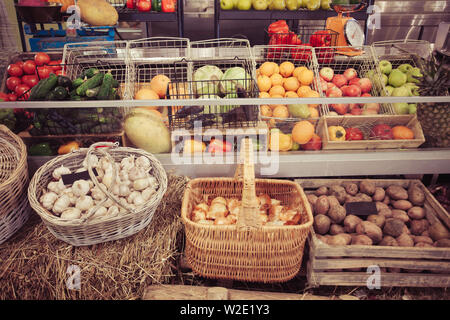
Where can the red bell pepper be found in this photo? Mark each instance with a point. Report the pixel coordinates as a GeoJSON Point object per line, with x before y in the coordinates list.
{"type": "Point", "coordinates": [131, 4]}
{"type": "Point", "coordinates": [320, 38]}
{"type": "Point", "coordinates": [353, 134]}
{"type": "Point", "coordinates": [294, 39]}
{"type": "Point", "coordinates": [168, 5]}
{"type": "Point", "coordinates": [279, 26]}
{"type": "Point", "coordinates": [302, 53]}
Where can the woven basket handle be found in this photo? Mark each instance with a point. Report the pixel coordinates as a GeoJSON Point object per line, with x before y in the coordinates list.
{"type": "Point", "coordinates": [248, 216]}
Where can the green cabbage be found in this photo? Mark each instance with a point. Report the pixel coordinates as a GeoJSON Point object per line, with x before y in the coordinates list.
{"type": "Point", "coordinates": [235, 77]}
{"type": "Point", "coordinates": [208, 73]}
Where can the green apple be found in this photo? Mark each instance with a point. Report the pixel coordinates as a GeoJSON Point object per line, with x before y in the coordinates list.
{"type": "Point", "coordinates": [412, 108]}
{"type": "Point", "coordinates": [384, 78]}
{"type": "Point", "coordinates": [401, 92]}
{"type": "Point", "coordinates": [244, 4]}
{"type": "Point", "coordinates": [291, 5]}
{"type": "Point", "coordinates": [325, 4]}
{"type": "Point", "coordinates": [226, 4]}
{"type": "Point", "coordinates": [313, 5]}
{"type": "Point", "coordinates": [277, 5]}
{"type": "Point", "coordinates": [405, 67]}
{"type": "Point", "coordinates": [260, 4]}
{"type": "Point", "coordinates": [401, 108]}
{"type": "Point", "coordinates": [397, 78]}
{"type": "Point", "coordinates": [299, 110]}
{"type": "Point", "coordinates": [389, 90]}
{"type": "Point", "coordinates": [385, 66]}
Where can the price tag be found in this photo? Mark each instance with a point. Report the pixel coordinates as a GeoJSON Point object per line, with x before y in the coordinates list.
{"type": "Point", "coordinates": [363, 208]}
{"type": "Point", "coordinates": [69, 179]}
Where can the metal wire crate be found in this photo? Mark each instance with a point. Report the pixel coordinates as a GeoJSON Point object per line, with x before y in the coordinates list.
{"type": "Point", "coordinates": [365, 65]}
{"type": "Point", "coordinates": [214, 116]}
{"type": "Point", "coordinates": [223, 48]}
{"type": "Point", "coordinates": [304, 33]}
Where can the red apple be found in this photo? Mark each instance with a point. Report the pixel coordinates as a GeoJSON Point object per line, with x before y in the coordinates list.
{"type": "Point", "coordinates": [354, 81]}
{"type": "Point", "coordinates": [334, 92]}
{"type": "Point", "coordinates": [365, 84]}
{"type": "Point", "coordinates": [350, 74]}
{"type": "Point", "coordinates": [344, 90]}
{"type": "Point", "coordinates": [323, 84]}
{"type": "Point", "coordinates": [372, 106]}
{"type": "Point", "coordinates": [340, 108]}
{"type": "Point", "coordinates": [330, 85]}
{"type": "Point", "coordinates": [382, 132]}
{"type": "Point", "coordinates": [353, 105]}
{"type": "Point", "coordinates": [356, 111]}
{"type": "Point", "coordinates": [353, 91]}
{"type": "Point", "coordinates": [366, 95]}
{"type": "Point", "coordinates": [326, 73]}
{"type": "Point", "coordinates": [315, 143]}
{"type": "Point", "coordinates": [339, 80]}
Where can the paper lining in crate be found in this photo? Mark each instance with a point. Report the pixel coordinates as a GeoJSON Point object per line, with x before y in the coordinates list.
{"type": "Point", "coordinates": [245, 249]}
{"type": "Point", "coordinates": [96, 221]}
{"type": "Point", "coordinates": [14, 208]}
{"type": "Point", "coordinates": [365, 124]}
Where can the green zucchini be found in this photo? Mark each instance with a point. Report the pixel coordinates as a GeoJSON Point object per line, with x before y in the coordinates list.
{"type": "Point", "coordinates": [92, 92]}
{"type": "Point", "coordinates": [90, 84]}
{"type": "Point", "coordinates": [77, 82]}
{"type": "Point", "coordinates": [47, 85]}
{"type": "Point", "coordinates": [106, 87]}
{"type": "Point", "coordinates": [89, 73]}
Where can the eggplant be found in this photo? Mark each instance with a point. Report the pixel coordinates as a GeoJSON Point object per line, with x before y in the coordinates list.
{"type": "Point", "coordinates": [188, 110]}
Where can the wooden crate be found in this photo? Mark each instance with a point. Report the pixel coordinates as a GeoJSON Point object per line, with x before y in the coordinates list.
{"type": "Point", "coordinates": [334, 265]}
{"type": "Point", "coordinates": [365, 123]}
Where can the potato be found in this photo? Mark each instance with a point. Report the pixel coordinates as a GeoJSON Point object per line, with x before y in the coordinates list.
{"type": "Point", "coordinates": [406, 230]}
{"type": "Point", "coordinates": [402, 204]}
{"type": "Point", "coordinates": [388, 241]}
{"type": "Point", "coordinates": [339, 192]}
{"type": "Point", "coordinates": [424, 239]}
{"type": "Point", "coordinates": [312, 198]}
{"type": "Point", "coordinates": [371, 230]}
{"type": "Point", "coordinates": [322, 238]}
{"type": "Point", "coordinates": [405, 240]}
{"type": "Point", "coordinates": [417, 227]}
{"type": "Point", "coordinates": [425, 234]}
{"type": "Point", "coordinates": [416, 213]}
{"type": "Point", "coordinates": [379, 194]}
{"type": "Point", "coordinates": [437, 231]}
{"type": "Point", "coordinates": [400, 214]}
{"type": "Point", "coordinates": [351, 188]}
{"type": "Point", "coordinates": [397, 192]}
{"type": "Point", "coordinates": [386, 200]}
{"type": "Point", "coordinates": [342, 239]}
{"type": "Point", "coordinates": [363, 197]}
{"type": "Point", "coordinates": [349, 199]}
{"type": "Point", "coordinates": [443, 243]}
{"type": "Point", "coordinates": [381, 206]}
{"type": "Point", "coordinates": [423, 245]}
{"type": "Point", "coordinates": [322, 205]}
{"type": "Point", "coordinates": [337, 214]}
{"type": "Point", "coordinates": [393, 227]}
{"type": "Point", "coordinates": [350, 223]}
{"type": "Point", "coordinates": [321, 191]}
{"type": "Point", "coordinates": [333, 201]}
{"type": "Point", "coordinates": [379, 220]}
{"type": "Point", "coordinates": [321, 224]}
{"type": "Point", "coordinates": [361, 239]}
{"type": "Point", "coordinates": [387, 213]}
{"type": "Point", "coordinates": [367, 187]}
{"type": "Point", "coordinates": [336, 229]}
{"type": "Point", "coordinates": [415, 195]}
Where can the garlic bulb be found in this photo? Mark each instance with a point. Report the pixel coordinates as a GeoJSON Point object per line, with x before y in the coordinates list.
{"type": "Point", "coordinates": [108, 203]}
{"type": "Point", "coordinates": [138, 200]}
{"type": "Point", "coordinates": [100, 173]}
{"type": "Point", "coordinates": [127, 163]}
{"type": "Point", "coordinates": [123, 175]}
{"type": "Point", "coordinates": [136, 173]}
{"type": "Point", "coordinates": [81, 188]}
{"type": "Point", "coordinates": [217, 210]}
{"type": "Point", "coordinates": [113, 211]}
{"type": "Point", "coordinates": [133, 195]}
{"type": "Point", "coordinates": [105, 164]}
{"type": "Point", "coordinates": [61, 204]}
{"type": "Point", "coordinates": [147, 193]}
{"type": "Point", "coordinates": [153, 182]}
{"type": "Point", "coordinates": [107, 179]}
{"type": "Point", "coordinates": [115, 189]}
{"type": "Point", "coordinates": [92, 160]}
{"type": "Point", "coordinates": [144, 163]}
{"type": "Point", "coordinates": [71, 213]}
{"type": "Point", "coordinates": [48, 199]}
{"type": "Point", "coordinates": [100, 212]}
{"type": "Point", "coordinates": [58, 172]}
{"type": "Point", "coordinates": [141, 184]}
{"type": "Point", "coordinates": [84, 203]}
{"type": "Point", "coordinates": [124, 190]}
{"type": "Point", "coordinates": [56, 186]}
{"type": "Point", "coordinates": [97, 194]}
{"type": "Point", "coordinates": [125, 204]}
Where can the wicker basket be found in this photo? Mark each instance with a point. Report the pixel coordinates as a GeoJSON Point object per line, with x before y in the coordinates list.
{"type": "Point", "coordinates": [14, 208]}
{"type": "Point", "coordinates": [246, 251]}
{"type": "Point", "coordinates": [81, 232]}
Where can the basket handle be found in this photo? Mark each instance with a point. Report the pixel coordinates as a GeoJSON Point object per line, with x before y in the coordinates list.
{"type": "Point", "coordinates": [248, 216]}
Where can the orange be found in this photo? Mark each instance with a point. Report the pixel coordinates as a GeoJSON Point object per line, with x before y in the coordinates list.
{"type": "Point", "coordinates": [305, 77]}
{"type": "Point", "coordinates": [312, 94]}
{"type": "Point", "coordinates": [291, 94]}
{"type": "Point", "coordinates": [277, 79]}
{"type": "Point", "coordinates": [302, 132]}
{"type": "Point", "coordinates": [268, 68]}
{"type": "Point", "coordinates": [264, 83]}
{"type": "Point", "coordinates": [264, 95]}
{"type": "Point", "coordinates": [402, 132]}
{"type": "Point", "coordinates": [281, 111]}
{"type": "Point", "coordinates": [291, 84]}
{"type": "Point", "coordinates": [159, 84]}
{"type": "Point", "coordinates": [273, 106]}
{"type": "Point", "coordinates": [147, 94]}
{"type": "Point", "coordinates": [286, 69]}
{"type": "Point", "coordinates": [297, 70]}
{"type": "Point", "coordinates": [266, 111]}
{"type": "Point", "coordinates": [277, 90]}
{"type": "Point", "coordinates": [314, 112]}
{"type": "Point", "coordinates": [303, 90]}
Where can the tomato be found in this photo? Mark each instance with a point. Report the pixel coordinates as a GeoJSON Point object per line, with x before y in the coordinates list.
{"type": "Point", "coordinates": [21, 91]}
{"type": "Point", "coordinates": [14, 70]}
{"type": "Point", "coordinates": [29, 67]}
{"type": "Point", "coordinates": [30, 80]}
{"type": "Point", "coordinates": [13, 82]}
{"type": "Point", "coordinates": [44, 72]}
{"type": "Point", "coordinates": [12, 97]}
{"type": "Point", "coordinates": [353, 134]}
{"type": "Point", "coordinates": [144, 5]}
{"type": "Point", "coordinates": [55, 65]}
{"type": "Point", "coordinates": [382, 132]}
{"type": "Point", "coordinates": [314, 144]}
{"type": "Point", "coordinates": [41, 58]}
{"type": "Point", "coordinates": [131, 4]}
{"type": "Point", "coordinates": [3, 97]}
{"type": "Point", "coordinates": [60, 73]}
{"type": "Point", "coordinates": [19, 63]}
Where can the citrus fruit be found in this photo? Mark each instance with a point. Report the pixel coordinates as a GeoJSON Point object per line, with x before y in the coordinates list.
{"type": "Point", "coordinates": [286, 69]}
{"type": "Point", "coordinates": [312, 94]}
{"type": "Point", "coordinates": [402, 132]}
{"type": "Point", "coordinates": [291, 94]}
{"type": "Point", "coordinates": [268, 68]}
{"type": "Point", "coordinates": [273, 106]}
{"type": "Point", "coordinates": [281, 111]}
{"type": "Point", "coordinates": [277, 96]}
{"type": "Point", "coordinates": [264, 95]}
{"type": "Point", "coordinates": [276, 79]}
{"type": "Point", "coordinates": [277, 90]}
{"type": "Point", "coordinates": [297, 70]}
{"type": "Point", "coordinates": [303, 90]}
{"type": "Point", "coordinates": [314, 112]}
{"type": "Point", "coordinates": [302, 132]}
{"type": "Point", "coordinates": [266, 111]}
{"type": "Point", "coordinates": [291, 84]}
{"type": "Point", "coordinates": [159, 84]}
{"type": "Point", "coordinates": [264, 83]}
{"type": "Point", "coordinates": [305, 77]}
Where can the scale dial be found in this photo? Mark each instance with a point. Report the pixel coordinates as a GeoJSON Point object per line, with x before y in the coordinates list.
{"type": "Point", "coordinates": [354, 34]}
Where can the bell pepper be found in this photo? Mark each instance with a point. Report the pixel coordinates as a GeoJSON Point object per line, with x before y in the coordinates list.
{"type": "Point", "coordinates": [320, 38]}
{"type": "Point", "coordinates": [336, 133]}
{"type": "Point", "coordinates": [156, 5]}
{"type": "Point", "coordinates": [279, 26]}
{"type": "Point", "coordinates": [68, 147]}
{"type": "Point", "coordinates": [168, 5]}
{"type": "Point", "coordinates": [353, 134]}
{"type": "Point", "coordinates": [131, 4]}
{"type": "Point", "coordinates": [294, 39]}
{"type": "Point", "coordinates": [40, 149]}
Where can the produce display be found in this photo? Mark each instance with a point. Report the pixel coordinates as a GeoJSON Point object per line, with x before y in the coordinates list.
{"type": "Point", "coordinates": [375, 132]}
{"type": "Point", "coordinates": [364, 214]}
{"type": "Point", "coordinates": [152, 5]}
{"type": "Point", "coordinates": [98, 12]}
{"type": "Point", "coordinates": [130, 181]}
{"type": "Point", "coordinates": [262, 5]}
{"type": "Point", "coordinates": [221, 211]}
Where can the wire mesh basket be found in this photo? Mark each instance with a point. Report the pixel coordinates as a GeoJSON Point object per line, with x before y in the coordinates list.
{"type": "Point", "coordinates": [314, 36]}
{"type": "Point", "coordinates": [223, 48]}
{"type": "Point", "coordinates": [363, 61]}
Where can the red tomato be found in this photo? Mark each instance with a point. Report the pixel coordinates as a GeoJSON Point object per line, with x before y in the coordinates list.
{"type": "Point", "coordinates": [12, 97]}
{"type": "Point", "coordinates": [30, 80]}
{"type": "Point", "coordinates": [21, 91]}
{"type": "Point", "coordinates": [353, 134]}
{"type": "Point", "coordinates": [60, 73]}
{"type": "Point", "coordinates": [382, 132]}
{"type": "Point", "coordinates": [55, 65]}
{"type": "Point", "coordinates": [13, 82]}
{"type": "Point", "coordinates": [314, 144]}
{"type": "Point", "coordinates": [20, 63]}
{"type": "Point", "coordinates": [29, 67]}
{"type": "Point", "coordinates": [144, 5]}
{"type": "Point", "coordinates": [41, 58]}
{"type": "Point", "coordinates": [3, 97]}
{"type": "Point", "coordinates": [44, 72]}
{"type": "Point", "coordinates": [15, 70]}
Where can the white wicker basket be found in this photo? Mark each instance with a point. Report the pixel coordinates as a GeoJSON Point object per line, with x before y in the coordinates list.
{"type": "Point", "coordinates": [81, 232]}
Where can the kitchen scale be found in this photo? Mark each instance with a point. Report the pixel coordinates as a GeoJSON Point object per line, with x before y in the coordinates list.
{"type": "Point", "coordinates": [350, 33]}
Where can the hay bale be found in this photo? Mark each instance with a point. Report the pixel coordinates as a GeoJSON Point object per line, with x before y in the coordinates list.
{"type": "Point", "coordinates": [34, 264]}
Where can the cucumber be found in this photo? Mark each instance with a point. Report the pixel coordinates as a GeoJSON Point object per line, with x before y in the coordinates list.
{"type": "Point", "coordinates": [115, 83]}
{"type": "Point", "coordinates": [106, 87]}
{"type": "Point", "coordinates": [89, 73]}
{"type": "Point", "coordinates": [35, 89]}
{"type": "Point", "coordinates": [64, 82]}
{"type": "Point", "coordinates": [92, 92]}
{"type": "Point", "coordinates": [46, 86]}
{"type": "Point", "coordinates": [90, 84]}
{"type": "Point", "coordinates": [77, 82]}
